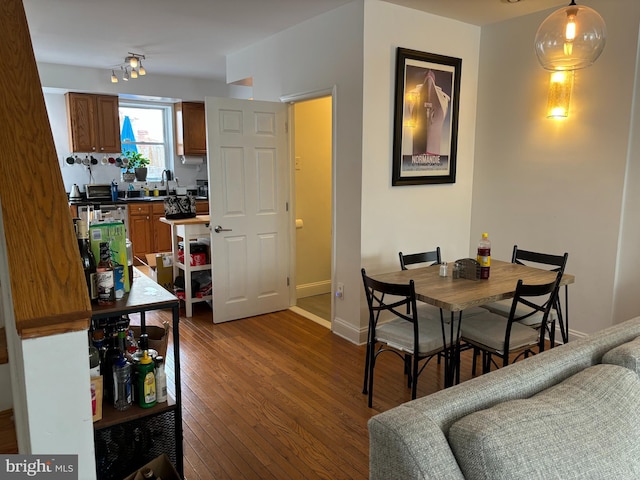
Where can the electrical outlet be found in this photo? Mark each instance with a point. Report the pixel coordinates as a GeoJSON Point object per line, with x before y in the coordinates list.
{"type": "Point", "coordinates": [340, 291]}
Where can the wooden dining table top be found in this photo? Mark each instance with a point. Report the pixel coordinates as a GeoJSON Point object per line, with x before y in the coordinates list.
{"type": "Point", "coordinates": [459, 294]}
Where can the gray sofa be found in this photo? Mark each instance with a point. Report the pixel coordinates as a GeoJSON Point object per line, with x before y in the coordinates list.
{"type": "Point", "coordinates": [572, 412]}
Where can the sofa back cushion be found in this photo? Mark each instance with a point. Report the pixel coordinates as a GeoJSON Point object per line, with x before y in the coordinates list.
{"type": "Point", "coordinates": [626, 355]}
{"type": "Point", "coordinates": [587, 427]}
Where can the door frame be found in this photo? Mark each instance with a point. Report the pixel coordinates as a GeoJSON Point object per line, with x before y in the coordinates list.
{"type": "Point", "coordinates": [292, 99]}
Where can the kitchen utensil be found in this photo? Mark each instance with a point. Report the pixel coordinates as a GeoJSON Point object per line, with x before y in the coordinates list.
{"type": "Point", "coordinates": [70, 160]}
{"type": "Point", "coordinates": [78, 160]}
{"type": "Point", "coordinates": [112, 160]}
{"type": "Point", "coordinates": [94, 160]}
{"type": "Point", "coordinates": [104, 161]}
{"type": "Point", "coordinates": [86, 161]}
{"type": "Point", "coordinates": [75, 193]}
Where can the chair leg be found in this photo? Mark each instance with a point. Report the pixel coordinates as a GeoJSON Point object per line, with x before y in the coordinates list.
{"type": "Point", "coordinates": [366, 368]}
{"type": "Point", "coordinates": [414, 384]}
{"type": "Point", "coordinates": [474, 361]}
{"type": "Point", "coordinates": [372, 363]}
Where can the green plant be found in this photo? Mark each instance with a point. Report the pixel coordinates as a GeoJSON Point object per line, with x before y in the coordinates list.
{"type": "Point", "coordinates": [136, 160]}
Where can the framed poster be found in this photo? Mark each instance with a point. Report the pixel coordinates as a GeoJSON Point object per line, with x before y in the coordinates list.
{"type": "Point", "coordinates": [426, 118]}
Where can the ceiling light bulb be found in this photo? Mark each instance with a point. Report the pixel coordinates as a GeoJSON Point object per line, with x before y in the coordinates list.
{"type": "Point", "coordinates": [134, 73]}
{"type": "Point", "coordinates": [570, 38]}
{"type": "Point", "coordinates": [114, 79]}
{"type": "Point", "coordinates": [141, 71]}
{"type": "Point", "coordinates": [125, 75]}
{"type": "Point", "coordinates": [133, 62]}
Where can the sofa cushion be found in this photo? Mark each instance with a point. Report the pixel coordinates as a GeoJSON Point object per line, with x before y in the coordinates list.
{"type": "Point", "coordinates": [626, 355]}
{"type": "Point", "coordinates": [586, 427]}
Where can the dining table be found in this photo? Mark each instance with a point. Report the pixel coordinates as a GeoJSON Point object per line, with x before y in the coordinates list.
{"type": "Point", "coordinates": [455, 295]}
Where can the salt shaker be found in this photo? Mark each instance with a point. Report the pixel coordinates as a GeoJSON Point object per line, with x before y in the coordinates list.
{"type": "Point", "coordinates": [443, 269]}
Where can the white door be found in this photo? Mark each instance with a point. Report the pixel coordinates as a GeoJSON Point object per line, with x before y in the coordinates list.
{"type": "Point", "coordinates": [249, 191]}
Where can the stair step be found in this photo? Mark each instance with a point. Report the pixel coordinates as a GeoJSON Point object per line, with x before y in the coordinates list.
{"type": "Point", "coordinates": [8, 439]}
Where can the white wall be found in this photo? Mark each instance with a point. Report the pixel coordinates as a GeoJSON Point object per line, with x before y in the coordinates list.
{"type": "Point", "coordinates": [418, 217]}
{"type": "Point", "coordinates": [322, 53]}
{"type": "Point", "coordinates": [58, 79]}
{"type": "Point", "coordinates": [557, 186]}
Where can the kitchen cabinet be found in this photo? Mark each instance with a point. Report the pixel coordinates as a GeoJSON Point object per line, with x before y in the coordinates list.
{"type": "Point", "coordinates": [191, 129]}
{"type": "Point", "coordinates": [147, 233]}
{"type": "Point", "coordinates": [93, 123]}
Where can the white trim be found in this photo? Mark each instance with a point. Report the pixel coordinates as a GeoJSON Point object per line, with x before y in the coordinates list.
{"type": "Point", "coordinates": [311, 289]}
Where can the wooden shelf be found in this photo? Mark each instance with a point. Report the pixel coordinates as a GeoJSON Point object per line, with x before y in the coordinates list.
{"type": "Point", "coordinates": [111, 416]}
{"type": "Point", "coordinates": [8, 439]}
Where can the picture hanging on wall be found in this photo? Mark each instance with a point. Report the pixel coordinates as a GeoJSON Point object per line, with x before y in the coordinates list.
{"type": "Point", "coordinates": [426, 118]}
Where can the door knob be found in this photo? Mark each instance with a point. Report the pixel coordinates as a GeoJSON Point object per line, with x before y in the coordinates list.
{"type": "Point", "coordinates": [219, 229]}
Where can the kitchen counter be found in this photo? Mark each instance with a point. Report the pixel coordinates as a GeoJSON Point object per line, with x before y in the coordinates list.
{"type": "Point", "coordinates": [123, 200]}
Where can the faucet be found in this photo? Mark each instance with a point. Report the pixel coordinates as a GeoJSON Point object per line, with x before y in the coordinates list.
{"type": "Point", "coordinates": [167, 174]}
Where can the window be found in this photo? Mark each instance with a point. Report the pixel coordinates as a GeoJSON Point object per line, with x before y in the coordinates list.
{"type": "Point", "coordinates": [146, 128]}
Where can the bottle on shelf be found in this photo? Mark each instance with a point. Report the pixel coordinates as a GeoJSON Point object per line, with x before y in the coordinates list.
{"type": "Point", "coordinates": [161, 380]}
{"type": "Point", "coordinates": [110, 358]}
{"type": "Point", "coordinates": [484, 256]}
{"type": "Point", "coordinates": [105, 277]}
{"type": "Point", "coordinates": [94, 361]}
{"type": "Point", "coordinates": [88, 260]}
{"type": "Point", "coordinates": [148, 474]}
{"type": "Point", "coordinates": [121, 383]}
{"type": "Point", "coordinates": [146, 382]}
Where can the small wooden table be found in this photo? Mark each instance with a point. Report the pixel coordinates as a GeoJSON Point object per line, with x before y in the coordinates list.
{"type": "Point", "coordinates": [456, 295]}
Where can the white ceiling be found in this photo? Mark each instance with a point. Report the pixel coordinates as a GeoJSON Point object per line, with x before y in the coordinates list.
{"type": "Point", "coordinates": [190, 38]}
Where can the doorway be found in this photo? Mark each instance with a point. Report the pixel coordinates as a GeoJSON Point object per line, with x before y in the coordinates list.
{"type": "Point", "coordinates": [313, 147]}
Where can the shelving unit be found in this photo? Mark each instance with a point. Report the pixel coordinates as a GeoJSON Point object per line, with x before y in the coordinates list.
{"type": "Point", "coordinates": [124, 441]}
{"type": "Point", "coordinates": [189, 229]}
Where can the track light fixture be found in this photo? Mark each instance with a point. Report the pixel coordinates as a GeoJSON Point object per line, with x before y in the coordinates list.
{"type": "Point", "coordinates": [130, 68]}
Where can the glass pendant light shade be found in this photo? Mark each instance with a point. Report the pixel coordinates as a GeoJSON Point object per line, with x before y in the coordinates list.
{"type": "Point", "coordinates": [570, 38]}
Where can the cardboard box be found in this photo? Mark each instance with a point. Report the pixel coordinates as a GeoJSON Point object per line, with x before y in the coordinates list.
{"type": "Point", "coordinates": [161, 269]}
{"type": "Point", "coordinates": [162, 468]}
{"type": "Point", "coordinates": [158, 337]}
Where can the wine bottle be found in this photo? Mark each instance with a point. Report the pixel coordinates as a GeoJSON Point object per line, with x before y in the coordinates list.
{"type": "Point", "coordinates": [88, 260]}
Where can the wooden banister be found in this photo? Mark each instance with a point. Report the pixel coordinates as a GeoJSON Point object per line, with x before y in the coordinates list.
{"type": "Point", "coordinates": [48, 289]}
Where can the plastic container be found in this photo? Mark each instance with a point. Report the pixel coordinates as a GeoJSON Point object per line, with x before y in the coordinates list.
{"type": "Point", "coordinates": [161, 380]}
{"type": "Point", "coordinates": [121, 384]}
{"type": "Point", "coordinates": [484, 256]}
{"type": "Point", "coordinates": [146, 382]}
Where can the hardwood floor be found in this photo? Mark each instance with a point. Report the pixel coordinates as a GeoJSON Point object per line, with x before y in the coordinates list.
{"type": "Point", "coordinates": [280, 397]}
{"type": "Point", "coordinates": [319, 305]}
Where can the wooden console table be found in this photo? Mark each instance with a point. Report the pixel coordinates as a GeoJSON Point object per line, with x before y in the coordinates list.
{"type": "Point", "coordinates": [121, 428]}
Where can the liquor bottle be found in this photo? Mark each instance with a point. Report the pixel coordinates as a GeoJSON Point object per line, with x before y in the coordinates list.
{"type": "Point", "coordinates": [484, 256]}
{"type": "Point", "coordinates": [105, 277]}
{"type": "Point", "coordinates": [121, 383]}
{"type": "Point", "coordinates": [88, 260]}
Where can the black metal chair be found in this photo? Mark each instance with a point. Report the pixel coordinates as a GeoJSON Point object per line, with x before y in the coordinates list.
{"type": "Point", "coordinates": [558, 264]}
{"type": "Point", "coordinates": [414, 338]}
{"type": "Point", "coordinates": [423, 257]}
{"type": "Point", "coordinates": [494, 334]}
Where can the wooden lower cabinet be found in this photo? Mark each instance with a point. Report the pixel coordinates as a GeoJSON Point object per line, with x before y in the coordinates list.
{"type": "Point", "coordinates": [147, 233]}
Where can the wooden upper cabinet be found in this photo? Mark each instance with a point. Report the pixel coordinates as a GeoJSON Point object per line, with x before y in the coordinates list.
{"type": "Point", "coordinates": [94, 123]}
{"type": "Point", "coordinates": [191, 129]}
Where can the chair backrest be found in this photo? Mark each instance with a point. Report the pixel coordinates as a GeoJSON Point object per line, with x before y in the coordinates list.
{"type": "Point", "coordinates": [397, 299]}
{"type": "Point", "coordinates": [558, 262]}
{"type": "Point", "coordinates": [525, 294]}
{"type": "Point", "coordinates": [424, 257]}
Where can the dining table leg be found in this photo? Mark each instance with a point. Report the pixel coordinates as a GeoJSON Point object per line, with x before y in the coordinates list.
{"type": "Point", "coordinates": [452, 349]}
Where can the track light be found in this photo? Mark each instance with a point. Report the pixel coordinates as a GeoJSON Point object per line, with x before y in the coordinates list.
{"type": "Point", "coordinates": [130, 68]}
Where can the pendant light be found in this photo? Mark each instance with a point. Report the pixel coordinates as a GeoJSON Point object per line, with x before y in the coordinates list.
{"type": "Point", "coordinates": [570, 38]}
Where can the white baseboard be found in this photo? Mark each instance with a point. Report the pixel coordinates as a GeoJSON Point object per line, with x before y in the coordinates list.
{"type": "Point", "coordinates": [311, 289]}
{"type": "Point", "coordinates": [348, 332]}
